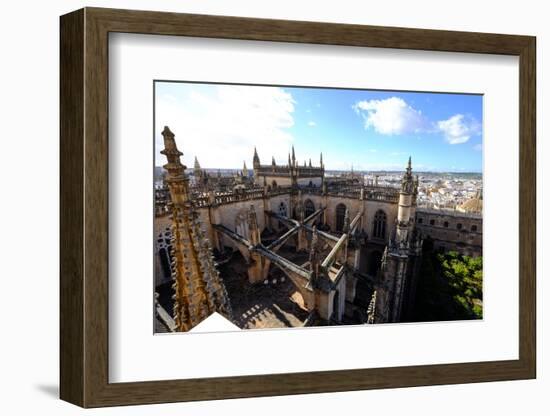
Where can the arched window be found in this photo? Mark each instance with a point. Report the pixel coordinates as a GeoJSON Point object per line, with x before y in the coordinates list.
{"type": "Point", "coordinates": [432, 222]}
{"type": "Point", "coordinates": [446, 224]}
{"type": "Point", "coordinates": [340, 215]}
{"type": "Point", "coordinates": [282, 212]}
{"type": "Point", "coordinates": [309, 208]}
{"type": "Point", "coordinates": [459, 226]}
{"type": "Point", "coordinates": [379, 225]}
{"type": "Point", "coordinates": [474, 228]}
{"type": "Point", "coordinates": [419, 220]}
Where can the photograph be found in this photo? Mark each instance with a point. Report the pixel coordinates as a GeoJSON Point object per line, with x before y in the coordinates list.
{"type": "Point", "coordinates": [290, 207]}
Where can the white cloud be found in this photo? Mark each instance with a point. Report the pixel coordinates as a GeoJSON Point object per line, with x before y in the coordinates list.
{"type": "Point", "coordinates": [311, 123]}
{"type": "Point", "coordinates": [458, 128]}
{"type": "Point", "coordinates": [222, 124]}
{"type": "Point", "coordinates": [390, 116]}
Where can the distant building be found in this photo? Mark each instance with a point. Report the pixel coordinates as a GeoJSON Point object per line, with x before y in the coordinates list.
{"type": "Point", "coordinates": [291, 174]}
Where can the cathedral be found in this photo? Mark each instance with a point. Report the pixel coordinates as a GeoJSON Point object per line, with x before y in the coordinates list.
{"type": "Point", "coordinates": [337, 249]}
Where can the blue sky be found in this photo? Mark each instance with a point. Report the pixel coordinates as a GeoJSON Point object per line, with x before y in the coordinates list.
{"type": "Point", "coordinates": [371, 130]}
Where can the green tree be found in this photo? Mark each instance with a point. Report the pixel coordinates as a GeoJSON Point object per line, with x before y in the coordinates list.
{"type": "Point", "coordinates": [450, 287]}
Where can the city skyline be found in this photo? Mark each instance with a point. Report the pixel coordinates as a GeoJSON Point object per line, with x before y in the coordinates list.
{"type": "Point", "coordinates": [220, 124]}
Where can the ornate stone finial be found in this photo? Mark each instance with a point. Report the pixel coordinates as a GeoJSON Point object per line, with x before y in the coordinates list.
{"type": "Point", "coordinates": [170, 149]}
{"type": "Point", "coordinates": [407, 183]}
{"type": "Point", "coordinates": [273, 161]}
{"type": "Point", "coordinates": [300, 212]}
{"type": "Point", "coordinates": [293, 156]}
{"type": "Point", "coordinates": [315, 252]}
{"type": "Point", "coordinates": [175, 169]}
{"type": "Point", "coordinates": [321, 160]}
{"type": "Point", "coordinates": [196, 165]}
{"type": "Point", "coordinates": [345, 228]}
{"type": "Point", "coordinates": [289, 163]}
{"type": "Point", "coordinates": [309, 162]}
{"type": "Point", "coordinates": [371, 310]}
{"type": "Point", "coordinates": [253, 226]}
{"type": "Point", "coordinates": [245, 170]}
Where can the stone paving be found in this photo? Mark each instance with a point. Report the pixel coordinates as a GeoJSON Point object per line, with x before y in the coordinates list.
{"type": "Point", "coordinates": [274, 304]}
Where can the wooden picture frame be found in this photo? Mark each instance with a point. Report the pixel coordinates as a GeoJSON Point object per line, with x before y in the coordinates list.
{"type": "Point", "coordinates": [84, 207]}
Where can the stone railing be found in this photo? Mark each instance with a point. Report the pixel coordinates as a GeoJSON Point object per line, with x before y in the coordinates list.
{"type": "Point", "coordinates": [219, 198]}
{"type": "Point", "coordinates": [211, 198]}
{"type": "Point", "coordinates": [381, 193]}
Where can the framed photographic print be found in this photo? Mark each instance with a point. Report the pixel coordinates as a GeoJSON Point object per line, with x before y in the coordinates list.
{"type": "Point", "coordinates": [255, 207]}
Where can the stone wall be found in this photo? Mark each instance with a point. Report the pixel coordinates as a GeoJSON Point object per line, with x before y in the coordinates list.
{"type": "Point", "coordinates": [269, 180]}
{"type": "Point", "coordinates": [451, 230]}
{"type": "Point", "coordinates": [316, 181]}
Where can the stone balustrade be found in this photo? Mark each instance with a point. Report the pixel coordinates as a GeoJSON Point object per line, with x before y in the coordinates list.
{"type": "Point", "coordinates": [212, 198]}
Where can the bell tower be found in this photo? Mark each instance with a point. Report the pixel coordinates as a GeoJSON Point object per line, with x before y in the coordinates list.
{"type": "Point", "coordinates": [405, 205]}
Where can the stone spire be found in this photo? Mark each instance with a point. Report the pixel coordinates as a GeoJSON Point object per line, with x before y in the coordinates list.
{"type": "Point", "coordinates": [321, 160]}
{"type": "Point", "coordinates": [256, 159]}
{"type": "Point", "coordinates": [300, 211]}
{"type": "Point", "coordinates": [293, 157]}
{"type": "Point", "coordinates": [315, 253]}
{"type": "Point", "coordinates": [198, 173]}
{"type": "Point", "coordinates": [273, 161]}
{"type": "Point", "coordinates": [245, 170]}
{"type": "Point", "coordinates": [345, 228]}
{"type": "Point", "coordinates": [309, 162]}
{"type": "Point", "coordinates": [289, 165]}
{"type": "Point", "coordinates": [407, 183]}
{"type": "Point", "coordinates": [198, 289]}
{"type": "Point", "coordinates": [253, 229]}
